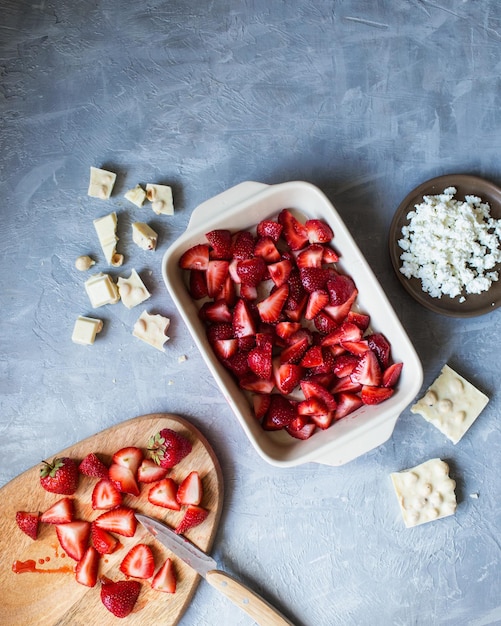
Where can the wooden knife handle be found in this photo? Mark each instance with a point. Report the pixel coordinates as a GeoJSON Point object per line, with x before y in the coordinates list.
{"type": "Point", "coordinates": [261, 611]}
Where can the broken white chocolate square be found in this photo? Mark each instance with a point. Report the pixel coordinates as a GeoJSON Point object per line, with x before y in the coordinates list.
{"type": "Point", "coordinates": [137, 195]}
{"type": "Point", "coordinates": [101, 290]}
{"type": "Point", "coordinates": [451, 404]}
{"type": "Point", "coordinates": [161, 198]}
{"type": "Point", "coordinates": [425, 492]}
{"type": "Point", "coordinates": [144, 236]}
{"type": "Point", "coordinates": [132, 290]}
{"type": "Point", "coordinates": [101, 183]}
{"type": "Point", "coordinates": [151, 329]}
{"type": "Point", "coordinates": [86, 329]}
{"type": "Point", "coordinates": [106, 229]}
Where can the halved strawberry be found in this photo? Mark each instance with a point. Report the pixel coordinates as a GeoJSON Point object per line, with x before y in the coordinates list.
{"type": "Point", "coordinates": [102, 540]}
{"type": "Point", "coordinates": [339, 312]}
{"type": "Point", "coordinates": [295, 351]}
{"type": "Point", "coordinates": [138, 562]}
{"type": "Point", "coordinates": [375, 395]}
{"type": "Point", "coordinates": [286, 376]}
{"type": "Point", "coordinates": [317, 301]}
{"type": "Point", "coordinates": [215, 312]}
{"type": "Point", "coordinates": [190, 491]}
{"type": "Point", "coordinates": [295, 233]}
{"type": "Point", "coordinates": [303, 433]}
{"type": "Point", "coordinates": [285, 330]}
{"type": "Point", "coordinates": [221, 242]}
{"type": "Point", "coordinates": [163, 493]}
{"type": "Point", "coordinates": [362, 320]}
{"type": "Point", "coordinates": [124, 479]}
{"type": "Point", "coordinates": [120, 597]}
{"type": "Point", "coordinates": [322, 420]}
{"type": "Point", "coordinates": [92, 466]}
{"type": "Point", "coordinates": [248, 292]}
{"type": "Point", "coordinates": [391, 374]}
{"type": "Point", "coordinates": [313, 278]}
{"type": "Point", "coordinates": [120, 521]}
{"type": "Point", "coordinates": [196, 258]}
{"type": "Point", "coordinates": [269, 228]}
{"type": "Point", "coordinates": [130, 457]}
{"type": "Point", "coordinates": [312, 406]}
{"type": "Point", "coordinates": [312, 256]}
{"type": "Point", "coordinates": [259, 358]}
{"type": "Point", "coordinates": [381, 346]}
{"type": "Point", "coordinates": [271, 307]}
{"type": "Point", "coordinates": [238, 364]}
{"type": "Point", "coordinates": [330, 255]}
{"type": "Point", "coordinates": [344, 364]}
{"type": "Point", "coordinates": [324, 323]}
{"type": "Point", "coordinates": [265, 247]}
{"type": "Point", "coordinates": [251, 271]}
{"type": "Point", "coordinates": [279, 272]}
{"type": "Point", "coordinates": [227, 292]}
{"type": "Point", "coordinates": [318, 231]}
{"type": "Point", "coordinates": [312, 389]}
{"type": "Point", "coordinates": [340, 288]}
{"type": "Point", "coordinates": [252, 382]}
{"type": "Point", "coordinates": [165, 578]}
{"type": "Point", "coordinates": [149, 472]}
{"type": "Point", "coordinates": [217, 271]}
{"type": "Point", "coordinates": [61, 512]}
{"type": "Point", "coordinates": [313, 357]}
{"type": "Point", "coordinates": [260, 403]}
{"type": "Point", "coordinates": [74, 537]}
{"type": "Point", "coordinates": [87, 568]}
{"type": "Point", "coordinates": [243, 245]}
{"type": "Point", "coordinates": [198, 284]}
{"type": "Point", "coordinates": [193, 516]}
{"type": "Point", "coordinates": [356, 347]}
{"type": "Point", "coordinates": [345, 384]}
{"type": "Point", "coordinates": [222, 330]}
{"type": "Point", "coordinates": [28, 522]}
{"type": "Point", "coordinates": [367, 370]}
{"type": "Point", "coordinates": [346, 332]}
{"type": "Point", "coordinates": [225, 348]}
{"type": "Point", "coordinates": [242, 320]}
{"type": "Point", "coordinates": [280, 413]}
{"type": "Point", "coordinates": [105, 495]}
{"type": "Point", "coordinates": [347, 402]}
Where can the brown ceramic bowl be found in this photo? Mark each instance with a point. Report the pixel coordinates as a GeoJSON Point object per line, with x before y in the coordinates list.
{"type": "Point", "coordinates": [475, 304]}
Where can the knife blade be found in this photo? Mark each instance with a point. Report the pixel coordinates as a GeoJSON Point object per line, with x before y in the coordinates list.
{"type": "Point", "coordinates": [242, 596]}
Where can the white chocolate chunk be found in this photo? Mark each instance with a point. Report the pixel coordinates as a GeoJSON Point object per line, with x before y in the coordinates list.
{"type": "Point", "coordinates": [425, 492]}
{"type": "Point", "coordinates": [451, 404]}
{"type": "Point", "coordinates": [84, 262]}
{"type": "Point", "coordinates": [161, 198]}
{"type": "Point", "coordinates": [101, 290]}
{"type": "Point", "coordinates": [106, 229]}
{"type": "Point", "coordinates": [132, 290]}
{"type": "Point", "coordinates": [144, 236]}
{"type": "Point", "coordinates": [151, 329]}
{"type": "Point", "coordinates": [101, 183]}
{"type": "Point", "coordinates": [137, 195]}
{"type": "Point", "coordinates": [86, 329]}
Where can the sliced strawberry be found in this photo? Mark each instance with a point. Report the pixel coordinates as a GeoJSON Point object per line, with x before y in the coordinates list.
{"type": "Point", "coordinates": [265, 247]}
{"type": "Point", "coordinates": [259, 358]}
{"type": "Point", "coordinates": [251, 271]}
{"type": "Point", "coordinates": [295, 233]}
{"type": "Point", "coordinates": [269, 228]}
{"type": "Point", "coordinates": [120, 521]}
{"type": "Point", "coordinates": [295, 351]}
{"type": "Point", "coordinates": [330, 255]}
{"type": "Point", "coordinates": [313, 358]}
{"type": "Point", "coordinates": [279, 272]}
{"type": "Point", "coordinates": [317, 301]}
{"type": "Point", "coordinates": [217, 271]}
{"type": "Point", "coordinates": [243, 245]}
{"type": "Point", "coordinates": [215, 312]}
{"type": "Point", "coordinates": [221, 242]}
{"type": "Point", "coordinates": [360, 319]}
{"type": "Point", "coordinates": [120, 597]}
{"type": "Point", "coordinates": [391, 374]}
{"type": "Point", "coordinates": [163, 493]}
{"type": "Point", "coordinates": [129, 457]}
{"type": "Point", "coordinates": [340, 288]}
{"type": "Point", "coordinates": [297, 293]}
{"type": "Point", "coordinates": [92, 466]}
{"type": "Point", "coordinates": [285, 330]}
{"type": "Point", "coordinates": [105, 495]}
{"type": "Point", "coordinates": [227, 292]}
{"type": "Point", "coordinates": [375, 395]}
{"type": "Point", "coordinates": [102, 540]}
{"type": "Point", "coordinates": [271, 307]}
{"type": "Point", "coordinates": [252, 382]}
{"type": "Point", "coordinates": [138, 562]}
{"type": "Point", "coordinates": [324, 323]}
{"type": "Point", "coordinates": [344, 364]}
{"type": "Point", "coordinates": [347, 402]}
{"type": "Point", "coordinates": [243, 322]}
{"type": "Point", "coordinates": [312, 389]}
{"type": "Point", "coordinates": [356, 347]}
{"type": "Point", "coordinates": [303, 433]}
{"type": "Point", "coordinates": [196, 258]}
{"type": "Point", "coordinates": [260, 403]}
{"type": "Point", "coordinates": [318, 231]}
{"type": "Point", "coordinates": [149, 472]}
{"type": "Point", "coordinates": [190, 491]}
{"type": "Point", "coordinates": [74, 537]}
{"type": "Point", "coordinates": [280, 413]}
{"type": "Point", "coordinates": [346, 332]}
{"type": "Point", "coordinates": [381, 346]}
{"type": "Point", "coordinates": [286, 376]}
{"type": "Point", "coordinates": [198, 284]}
{"type": "Point", "coordinates": [312, 256]}
{"type": "Point", "coordinates": [124, 479]}
{"type": "Point", "coordinates": [367, 370]}
{"type": "Point", "coordinates": [223, 330]}
{"type": "Point", "coordinates": [313, 278]}
{"type": "Point", "coordinates": [345, 384]}
{"type": "Point", "coordinates": [339, 312]}
{"type": "Point", "coordinates": [87, 568]}
{"type": "Point", "coordinates": [61, 512]}
{"type": "Point", "coordinates": [238, 364]}
{"type": "Point", "coordinates": [248, 292]}
{"type": "Point", "coordinates": [165, 578]}
{"type": "Point", "coordinates": [312, 406]}
{"type": "Point", "coordinates": [193, 516]}
{"type": "Point", "coordinates": [225, 348]}
{"type": "Point", "coordinates": [28, 523]}
{"type": "Point", "coordinates": [323, 420]}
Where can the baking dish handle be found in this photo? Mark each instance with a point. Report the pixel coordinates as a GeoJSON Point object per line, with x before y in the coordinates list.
{"type": "Point", "coordinates": [227, 199]}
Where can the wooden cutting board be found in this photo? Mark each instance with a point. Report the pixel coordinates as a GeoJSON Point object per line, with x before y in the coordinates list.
{"type": "Point", "coordinates": [44, 590]}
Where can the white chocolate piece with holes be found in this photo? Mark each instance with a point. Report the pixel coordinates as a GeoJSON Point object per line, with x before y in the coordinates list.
{"type": "Point", "coordinates": [132, 290]}
{"type": "Point", "coordinates": [425, 492]}
{"type": "Point", "coordinates": [84, 263]}
{"type": "Point", "coordinates": [106, 229]}
{"type": "Point", "coordinates": [101, 290]}
{"type": "Point", "coordinates": [86, 329]}
{"type": "Point", "coordinates": [451, 404]}
{"type": "Point", "coordinates": [144, 236]}
{"type": "Point", "coordinates": [101, 183]}
{"type": "Point", "coordinates": [137, 196]}
{"type": "Point", "coordinates": [151, 329]}
{"type": "Point", "coordinates": [161, 198]}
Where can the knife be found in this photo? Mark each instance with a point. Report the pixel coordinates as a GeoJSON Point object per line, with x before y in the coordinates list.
{"type": "Point", "coordinates": [261, 611]}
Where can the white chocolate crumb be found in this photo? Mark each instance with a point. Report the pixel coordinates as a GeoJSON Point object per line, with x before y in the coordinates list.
{"type": "Point", "coordinates": [182, 358]}
{"type": "Point", "coordinates": [84, 262]}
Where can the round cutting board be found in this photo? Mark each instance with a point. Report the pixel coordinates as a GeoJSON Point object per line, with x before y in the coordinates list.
{"type": "Point", "coordinates": [44, 590]}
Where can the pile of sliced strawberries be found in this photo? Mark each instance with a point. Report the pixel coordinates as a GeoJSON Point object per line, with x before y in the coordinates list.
{"type": "Point", "coordinates": [130, 473]}
{"type": "Point", "coordinates": [283, 320]}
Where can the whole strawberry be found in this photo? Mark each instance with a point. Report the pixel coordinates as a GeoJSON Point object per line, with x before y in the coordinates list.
{"type": "Point", "coordinates": [168, 447]}
{"type": "Point", "coordinates": [60, 476]}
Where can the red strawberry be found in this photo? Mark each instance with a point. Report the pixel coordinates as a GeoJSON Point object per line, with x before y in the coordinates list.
{"type": "Point", "coordinates": [93, 466]}
{"type": "Point", "coordinates": [196, 258]}
{"type": "Point", "coordinates": [317, 300]}
{"type": "Point", "coordinates": [129, 457]}
{"type": "Point", "coordinates": [252, 271]}
{"type": "Point", "coordinates": [265, 247]}
{"type": "Point", "coordinates": [102, 540]}
{"type": "Point", "coordinates": [61, 512]}
{"type": "Point", "coordinates": [285, 330]}
{"type": "Point", "coordinates": [381, 346]}
{"type": "Point", "coordinates": [303, 433]}
{"type": "Point", "coordinates": [28, 523]}
{"type": "Point", "coordinates": [367, 370]}
{"type": "Point", "coordinates": [260, 403]}
{"type": "Point", "coordinates": [375, 395]}
{"type": "Point", "coordinates": [248, 292]}
{"type": "Point", "coordinates": [318, 231]}
{"type": "Point", "coordinates": [149, 472]}
{"type": "Point", "coordinates": [74, 537]}
{"type": "Point", "coordinates": [324, 323]}
{"type": "Point", "coordinates": [345, 384]}
{"type": "Point", "coordinates": [190, 491]}
{"type": "Point", "coordinates": [225, 348]}
{"type": "Point", "coordinates": [217, 312]}
{"type": "Point", "coordinates": [312, 256]}
{"type": "Point", "coordinates": [358, 348]}
{"type": "Point", "coordinates": [228, 291]}
{"type": "Point", "coordinates": [294, 232]}
{"type": "Point", "coordinates": [360, 319]}
{"type": "Point", "coordinates": [221, 242]}
{"type": "Point", "coordinates": [313, 278]}
{"type": "Point", "coordinates": [280, 413]}
{"type": "Point", "coordinates": [295, 352]}
{"type": "Point", "coordinates": [323, 420]}
{"type": "Point", "coordinates": [312, 406]}
{"type": "Point", "coordinates": [313, 358]}
{"type": "Point", "coordinates": [243, 245]}
{"type": "Point", "coordinates": [243, 322]}
{"type": "Point", "coordinates": [163, 493]}
{"type": "Point", "coordinates": [217, 271]}
{"type": "Point", "coordinates": [344, 365]}
{"type": "Point", "coordinates": [340, 287]}
{"type": "Point", "coordinates": [330, 255]}
{"type": "Point", "coordinates": [315, 390]}
{"type": "Point", "coordinates": [168, 447]}
{"type": "Point", "coordinates": [87, 567]}
{"type": "Point", "coordinates": [198, 284]}
{"type": "Point", "coordinates": [105, 495]}
{"type": "Point", "coordinates": [391, 374]}
{"type": "Point", "coordinates": [238, 364]}
{"type": "Point", "coordinates": [120, 521]}
{"type": "Point", "coordinates": [124, 479]}
{"type": "Point", "coordinates": [60, 476]}
{"type": "Point", "coordinates": [279, 272]}
{"type": "Point", "coordinates": [347, 402]}
{"type": "Point", "coordinates": [271, 307]}
{"type": "Point", "coordinates": [252, 382]}
{"type": "Point", "coordinates": [120, 597]}
{"type": "Point", "coordinates": [193, 516]}
{"type": "Point", "coordinates": [165, 578]}
{"type": "Point", "coordinates": [259, 358]}
{"type": "Point", "coordinates": [138, 562]}
{"type": "Point", "coordinates": [219, 331]}
{"type": "Point", "coordinates": [287, 376]}
{"type": "Point", "coordinates": [269, 228]}
{"type": "Point", "coordinates": [346, 332]}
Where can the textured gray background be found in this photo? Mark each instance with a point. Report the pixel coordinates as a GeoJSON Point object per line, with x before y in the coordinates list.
{"type": "Point", "coordinates": [364, 99]}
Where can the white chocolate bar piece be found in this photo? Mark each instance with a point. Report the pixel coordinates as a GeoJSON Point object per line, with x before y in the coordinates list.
{"type": "Point", "coordinates": [106, 229]}
{"type": "Point", "coordinates": [451, 404]}
{"type": "Point", "coordinates": [144, 236]}
{"type": "Point", "coordinates": [132, 290]}
{"type": "Point", "coordinates": [86, 329]}
{"type": "Point", "coordinates": [101, 290]}
{"type": "Point", "coordinates": [161, 198]}
{"type": "Point", "coordinates": [101, 183]}
{"type": "Point", "coordinates": [425, 492]}
{"type": "Point", "coordinates": [137, 195]}
{"type": "Point", "coordinates": [151, 329]}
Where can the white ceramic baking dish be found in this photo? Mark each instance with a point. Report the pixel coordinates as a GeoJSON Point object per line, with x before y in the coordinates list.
{"type": "Point", "coordinates": [242, 207]}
